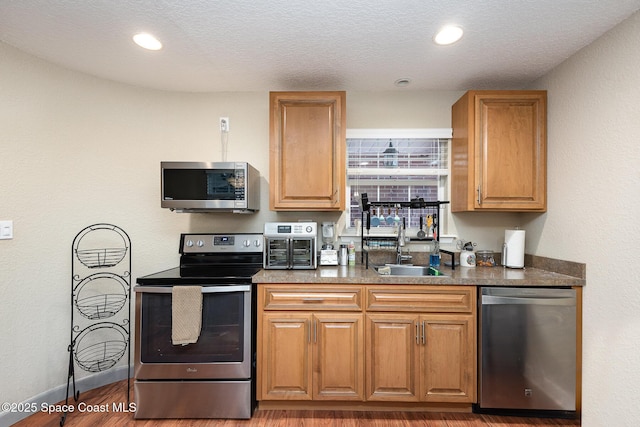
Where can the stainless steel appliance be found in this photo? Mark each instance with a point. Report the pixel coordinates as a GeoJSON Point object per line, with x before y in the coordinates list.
{"type": "Point", "coordinates": [210, 187]}
{"type": "Point", "coordinates": [290, 245]}
{"type": "Point", "coordinates": [214, 377]}
{"type": "Point", "coordinates": [527, 351]}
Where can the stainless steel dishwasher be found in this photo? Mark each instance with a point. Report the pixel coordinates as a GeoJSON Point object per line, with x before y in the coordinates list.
{"type": "Point", "coordinates": [527, 351]}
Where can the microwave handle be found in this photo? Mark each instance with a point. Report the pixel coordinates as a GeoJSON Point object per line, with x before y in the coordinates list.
{"type": "Point", "coordinates": [205, 289]}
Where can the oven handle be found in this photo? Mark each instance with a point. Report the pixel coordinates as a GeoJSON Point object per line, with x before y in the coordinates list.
{"type": "Point", "coordinates": [205, 289]}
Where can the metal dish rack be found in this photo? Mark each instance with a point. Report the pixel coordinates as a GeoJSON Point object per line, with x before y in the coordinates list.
{"type": "Point", "coordinates": [373, 242]}
{"type": "Point", "coordinates": [100, 303]}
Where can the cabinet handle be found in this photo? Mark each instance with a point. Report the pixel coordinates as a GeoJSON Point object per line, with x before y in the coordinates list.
{"type": "Point", "coordinates": [315, 331]}
{"type": "Point", "coordinates": [417, 333]}
{"type": "Point", "coordinates": [479, 193]}
{"type": "Point", "coordinates": [309, 332]}
{"type": "Point", "coordinates": [311, 299]}
{"type": "Point", "coordinates": [424, 333]}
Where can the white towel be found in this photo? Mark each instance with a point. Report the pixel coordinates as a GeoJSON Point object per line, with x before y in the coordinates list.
{"type": "Point", "coordinates": [186, 314]}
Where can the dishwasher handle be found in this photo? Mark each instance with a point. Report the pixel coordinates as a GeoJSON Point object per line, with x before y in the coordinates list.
{"type": "Point", "coordinates": [503, 300]}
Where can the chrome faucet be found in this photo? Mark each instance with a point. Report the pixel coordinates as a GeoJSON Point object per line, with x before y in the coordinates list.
{"type": "Point", "coordinates": [401, 243]}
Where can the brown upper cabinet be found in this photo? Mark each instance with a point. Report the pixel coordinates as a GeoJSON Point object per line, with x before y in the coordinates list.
{"type": "Point", "coordinates": [307, 137]}
{"type": "Point", "coordinates": [499, 151]}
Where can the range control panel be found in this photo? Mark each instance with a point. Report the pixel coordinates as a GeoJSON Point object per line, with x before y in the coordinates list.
{"type": "Point", "coordinates": [218, 243]}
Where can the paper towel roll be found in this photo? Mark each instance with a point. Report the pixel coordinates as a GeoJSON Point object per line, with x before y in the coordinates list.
{"type": "Point", "coordinates": [513, 255]}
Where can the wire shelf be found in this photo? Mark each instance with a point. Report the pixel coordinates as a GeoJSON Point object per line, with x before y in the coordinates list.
{"type": "Point", "coordinates": [101, 258]}
{"type": "Point", "coordinates": [101, 306]}
{"type": "Point", "coordinates": [101, 295]}
{"type": "Point", "coordinates": [100, 289]}
{"type": "Point", "coordinates": [100, 347]}
{"type": "Point", "coordinates": [101, 246]}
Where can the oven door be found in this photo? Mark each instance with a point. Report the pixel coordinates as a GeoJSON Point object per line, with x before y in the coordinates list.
{"type": "Point", "coordinates": [223, 350]}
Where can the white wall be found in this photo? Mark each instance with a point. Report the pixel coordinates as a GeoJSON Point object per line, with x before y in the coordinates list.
{"type": "Point", "coordinates": [593, 210]}
{"type": "Point", "coordinates": [74, 151]}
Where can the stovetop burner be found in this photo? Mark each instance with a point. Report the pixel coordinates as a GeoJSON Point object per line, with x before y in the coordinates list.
{"type": "Point", "coordinates": [213, 259]}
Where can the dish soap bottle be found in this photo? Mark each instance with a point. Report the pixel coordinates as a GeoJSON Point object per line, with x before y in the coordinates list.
{"type": "Point", "coordinates": [434, 256]}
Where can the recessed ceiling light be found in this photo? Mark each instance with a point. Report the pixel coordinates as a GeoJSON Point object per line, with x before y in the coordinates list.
{"type": "Point", "coordinates": [448, 35]}
{"type": "Point", "coordinates": [147, 41]}
{"type": "Point", "coordinates": [402, 82]}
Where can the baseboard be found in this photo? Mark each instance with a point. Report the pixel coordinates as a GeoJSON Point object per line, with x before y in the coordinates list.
{"type": "Point", "coordinates": [57, 394]}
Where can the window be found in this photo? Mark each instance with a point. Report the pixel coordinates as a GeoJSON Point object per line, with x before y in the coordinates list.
{"type": "Point", "coordinates": [396, 165]}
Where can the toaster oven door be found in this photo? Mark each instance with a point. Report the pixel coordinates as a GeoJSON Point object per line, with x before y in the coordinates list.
{"type": "Point", "coordinates": [303, 253]}
{"type": "Point", "coordinates": [277, 253]}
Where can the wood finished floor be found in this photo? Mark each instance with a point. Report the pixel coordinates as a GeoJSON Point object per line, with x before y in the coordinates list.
{"type": "Point", "coordinates": [116, 392]}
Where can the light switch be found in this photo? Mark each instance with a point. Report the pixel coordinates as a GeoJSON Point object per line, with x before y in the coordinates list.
{"type": "Point", "coordinates": [6, 230]}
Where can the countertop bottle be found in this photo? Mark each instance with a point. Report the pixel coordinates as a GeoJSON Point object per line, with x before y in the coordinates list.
{"type": "Point", "coordinates": [352, 254]}
{"type": "Point", "coordinates": [434, 256]}
{"type": "Point", "coordinates": [343, 255]}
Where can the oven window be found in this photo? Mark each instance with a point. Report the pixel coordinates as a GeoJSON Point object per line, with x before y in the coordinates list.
{"type": "Point", "coordinates": [302, 252]}
{"type": "Point", "coordinates": [221, 338]}
{"type": "Point", "coordinates": [278, 252]}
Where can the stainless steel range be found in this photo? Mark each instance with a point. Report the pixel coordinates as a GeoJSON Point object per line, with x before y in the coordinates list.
{"type": "Point", "coordinates": [213, 377]}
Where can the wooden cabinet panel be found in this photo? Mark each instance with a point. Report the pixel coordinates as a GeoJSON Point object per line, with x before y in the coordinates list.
{"type": "Point", "coordinates": [414, 357]}
{"type": "Point", "coordinates": [448, 361]}
{"type": "Point", "coordinates": [286, 357]}
{"type": "Point", "coordinates": [305, 356]}
{"type": "Point", "coordinates": [392, 357]}
{"type": "Point", "coordinates": [426, 349]}
{"type": "Point", "coordinates": [307, 134]}
{"type": "Point", "coordinates": [335, 298]}
{"type": "Point", "coordinates": [338, 357]}
{"type": "Point", "coordinates": [499, 151]}
{"type": "Point", "coordinates": [454, 299]}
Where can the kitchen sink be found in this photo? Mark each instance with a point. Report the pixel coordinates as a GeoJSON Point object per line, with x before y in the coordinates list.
{"type": "Point", "coordinates": [408, 270]}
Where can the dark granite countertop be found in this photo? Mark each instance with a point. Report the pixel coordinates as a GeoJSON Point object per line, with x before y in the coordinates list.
{"type": "Point", "coordinates": [479, 276]}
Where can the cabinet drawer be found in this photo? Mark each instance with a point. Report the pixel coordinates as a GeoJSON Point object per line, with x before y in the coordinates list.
{"type": "Point", "coordinates": [441, 299]}
{"type": "Point", "coordinates": [346, 298]}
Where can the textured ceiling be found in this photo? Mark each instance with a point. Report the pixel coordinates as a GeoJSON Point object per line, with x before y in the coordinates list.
{"type": "Point", "coordinates": [261, 45]}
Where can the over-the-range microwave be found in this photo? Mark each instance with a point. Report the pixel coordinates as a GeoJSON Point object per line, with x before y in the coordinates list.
{"type": "Point", "coordinates": [210, 187]}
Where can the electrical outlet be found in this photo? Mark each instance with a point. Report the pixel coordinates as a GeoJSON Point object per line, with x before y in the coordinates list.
{"type": "Point", "coordinates": [224, 124]}
{"type": "Point", "coordinates": [6, 230]}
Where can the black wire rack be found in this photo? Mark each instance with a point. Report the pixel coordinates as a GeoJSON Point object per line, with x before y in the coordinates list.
{"type": "Point", "coordinates": [100, 303]}
{"type": "Point", "coordinates": [426, 209]}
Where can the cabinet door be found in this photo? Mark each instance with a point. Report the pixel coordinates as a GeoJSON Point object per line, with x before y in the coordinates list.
{"type": "Point", "coordinates": [392, 357]}
{"type": "Point", "coordinates": [307, 168]}
{"type": "Point", "coordinates": [448, 358]}
{"type": "Point", "coordinates": [286, 356]}
{"type": "Point", "coordinates": [511, 160]}
{"type": "Point", "coordinates": [499, 151]}
{"type": "Point", "coordinates": [338, 357]}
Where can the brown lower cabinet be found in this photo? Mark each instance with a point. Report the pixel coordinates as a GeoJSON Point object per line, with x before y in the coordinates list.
{"type": "Point", "coordinates": [312, 356]}
{"type": "Point", "coordinates": [420, 358]}
{"type": "Point", "coordinates": [351, 343]}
